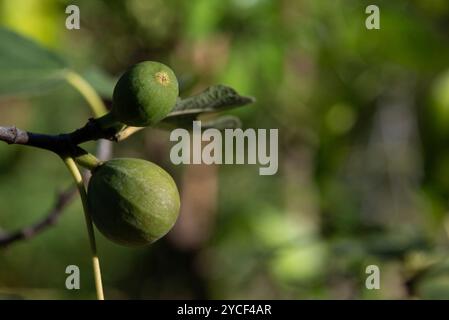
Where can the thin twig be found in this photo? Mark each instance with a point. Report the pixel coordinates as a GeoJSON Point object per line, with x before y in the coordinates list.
{"type": "Point", "coordinates": [62, 200]}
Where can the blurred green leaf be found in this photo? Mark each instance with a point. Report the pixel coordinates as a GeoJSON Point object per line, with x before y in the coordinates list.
{"type": "Point", "coordinates": [26, 67]}
{"type": "Point", "coordinates": [434, 289]}
{"type": "Point", "coordinates": [102, 82]}
{"type": "Point", "coordinates": [223, 122]}
{"type": "Point", "coordinates": [185, 122]}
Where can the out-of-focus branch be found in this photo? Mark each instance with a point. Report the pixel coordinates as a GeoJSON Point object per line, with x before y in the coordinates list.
{"type": "Point", "coordinates": [104, 150]}
{"type": "Point", "coordinates": [62, 200]}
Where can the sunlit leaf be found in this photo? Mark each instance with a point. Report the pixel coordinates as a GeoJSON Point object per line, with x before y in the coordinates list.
{"type": "Point", "coordinates": [213, 99]}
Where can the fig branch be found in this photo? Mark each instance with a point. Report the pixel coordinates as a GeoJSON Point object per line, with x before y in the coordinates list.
{"type": "Point", "coordinates": [61, 144]}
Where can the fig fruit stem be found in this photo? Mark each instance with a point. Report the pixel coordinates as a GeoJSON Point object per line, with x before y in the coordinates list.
{"type": "Point", "coordinates": [127, 132]}
{"type": "Point", "coordinates": [88, 161]}
{"type": "Point", "coordinates": [85, 89]}
{"type": "Point", "coordinates": [71, 165]}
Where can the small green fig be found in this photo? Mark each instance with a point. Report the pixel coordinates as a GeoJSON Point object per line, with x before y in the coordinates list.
{"type": "Point", "coordinates": [132, 202]}
{"type": "Point", "coordinates": [144, 94]}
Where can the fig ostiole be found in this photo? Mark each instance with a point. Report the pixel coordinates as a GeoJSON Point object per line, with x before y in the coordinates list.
{"type": "Point", "coordinates": [143, 95]}
{"type": "Point", "coordinates": [132, 202]}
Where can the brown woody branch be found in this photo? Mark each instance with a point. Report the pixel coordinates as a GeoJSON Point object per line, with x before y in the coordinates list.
{"type": "Point", "coordinates": [60, 144]}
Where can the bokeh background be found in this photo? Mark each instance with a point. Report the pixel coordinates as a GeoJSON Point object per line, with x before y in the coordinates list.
{"type": "Point", "coordinates": [363, 119]}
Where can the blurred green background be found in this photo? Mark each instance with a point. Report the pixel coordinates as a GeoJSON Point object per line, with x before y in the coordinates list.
{"type": "Point", "coordinates": [363, 119]}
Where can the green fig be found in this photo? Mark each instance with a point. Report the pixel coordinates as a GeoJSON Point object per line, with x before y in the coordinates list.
{"type": "Point", "coordinates": [145, 94]}
{"type": "Point", "coordinates": [132, 202]}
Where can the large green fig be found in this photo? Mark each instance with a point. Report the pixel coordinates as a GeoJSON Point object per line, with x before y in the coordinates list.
{"type": "Point", "coordinates": [132, 201]}
{"type": "Point", "coordinates": [145, 94]}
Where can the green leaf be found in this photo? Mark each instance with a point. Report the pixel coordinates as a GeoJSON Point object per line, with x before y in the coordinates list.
{"type": "Point", "coordinates": [102, 82]}
{"type": "Point", "coordinates": [185, 122]}
{"type": "Point", "coordinates": [223, 122]}
{"type": "Point", "coordinates": [26, 67]}
{"type": "Point", "coordinates": [180, 121]}
{"type": "Point", "coordinates": [213, 99]}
